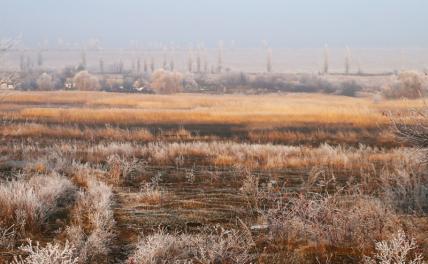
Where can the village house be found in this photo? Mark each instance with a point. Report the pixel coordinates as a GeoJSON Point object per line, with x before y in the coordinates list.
{"type": "Point", "coordinates": [6, 85]}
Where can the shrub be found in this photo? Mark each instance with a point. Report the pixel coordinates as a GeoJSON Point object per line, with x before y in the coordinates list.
{"type": "Point", "coordinates": [93, 222]}
{"type": "Point", "coordinates": [122, 169]}
{"type": "Point", "coordinates": [406, 189]}
{"type": "Point", "coordinates": [51, 254]}
{"type": "Point", "coordinates": [349, 88]}
{"type": "Point", "coordinates": [206, 248]}
{"type": "Point", "coordinates": [314, 83]}
{"type": "Point", "coordinates": [45, 82]}
{"type": "Point", "coordinates": [166, 82]}
{"type": "Point", "coordinates": [325, 225]}
{"type": "Point", "coordinates": [7, 237]}
{"type": "Point", "coordinates": [399, 249]}
{"type": "Point", "coordinates": [151, 193]}
{"type": "Point", "coordinates": [409, 84]}
{"type": "Point", "coordinates": [85, 81]}
{"type": "Point", "coordinates": [28, 204]}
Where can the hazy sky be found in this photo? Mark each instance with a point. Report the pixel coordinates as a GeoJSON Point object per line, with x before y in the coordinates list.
{"type": "Point", "coordinates": [283, 23]}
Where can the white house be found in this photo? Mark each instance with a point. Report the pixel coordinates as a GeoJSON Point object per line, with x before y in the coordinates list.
{"type": "Point", "coordinates": [6, 86]}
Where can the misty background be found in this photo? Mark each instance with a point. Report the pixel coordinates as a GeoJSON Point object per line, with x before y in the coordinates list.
{"type": "Point", "coordinates": [382, 35]}
{"type": "Point", "coordinates": [303, 23]}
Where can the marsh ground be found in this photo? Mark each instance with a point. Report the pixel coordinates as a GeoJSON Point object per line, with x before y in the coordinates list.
{"type": "Point", "coordinates": [129, 165]}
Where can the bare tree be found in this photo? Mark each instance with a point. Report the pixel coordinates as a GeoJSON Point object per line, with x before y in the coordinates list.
{"type": "Point", "coordinates": [85, 81]}
{"type": "Point", "coordinates": [45, 82]}
{"type": "Point", "coordinates": [360, 70]}
{"type": "Point", "coordinates": [146, 67]}
{"type": "Point", "coordinates": [7, 44]}
{"type": "Point", "coordinates": [138, 66]}
{"type": "Point", "coordinates": [101, 65]}
{"type": "Point", "coordinates": [347, 60]}
{"type": "Point", "coordinates": [326, 59]}
{"type": "Point", "coordinates": [171, 58]}
{"type": "Point", "coordinates": [198, 61]}
{"type": "Point", "coordinates": [205, 62]}
{"type": "Point", "coordinates": [172, 64]}
{"type": "Point", "coordinates": [83, 58]}
{"type": "Point", "coordinates": [29, 63]}
{"type": "Point", "coordinates": [22, 64]}
{"type": "Point", "coordinates": [164, 61]}
{"type": "Point", "coordinates": [8, 77]}
{"type": "Point", "coordinates": [166, 82]}
{"type": "Point", "coordinates": [39, 58]}
{"type": "Point", "coordinates": [121, 66]}
{"type": "Point", "coordinates": [269, 60]}
{"type": "Point", "coordinates": [152, 64]}
{"type": "Point", "coordinates": [190, 61]}
{"type": "Point", "coordinates": [220, 57]}
{"type": "Point", "coordinates": [133, 66]}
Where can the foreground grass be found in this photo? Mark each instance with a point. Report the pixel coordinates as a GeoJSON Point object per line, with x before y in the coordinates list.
{"type": "Point", "coordinates": [92, 189]}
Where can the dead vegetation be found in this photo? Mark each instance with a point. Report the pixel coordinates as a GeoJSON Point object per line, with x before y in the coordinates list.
{"type": "Point", "coordinates": [269, 110]}
{"type": "Point", "coordinates": [88, 193]}
{"type": "Point", "coordinates": [222, 247]}
{"type": "Point", "coordinates": [26, 204]}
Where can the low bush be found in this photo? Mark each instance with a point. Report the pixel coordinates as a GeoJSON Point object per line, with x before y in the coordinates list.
{"type": "Point", "coordinates": [409, 84]}
{"type": "Point", "coordinates": [205, 248]}
{"type": "Point", "coordinates": [349, 88]}
{"type": "Point", "coordinates": [166, 82]}
{"type": "Point", "coordinates": [326, 226]}
{"type": "Point", "coordinates": [92, 222]}
{"type": "Point", "coordinates": [85, 81]}
{"type": "Point", "coordinates": [399, 249]}
{"type": "Point", "coordinates": [28, 204]}
{"type": "Point", "coordinates": [51, 254]}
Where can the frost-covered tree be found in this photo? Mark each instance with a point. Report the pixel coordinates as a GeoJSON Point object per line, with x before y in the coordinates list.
{"type": "Point", "coordinates": [198, 62]}
{"type": "Point", "coordinates": [152, 64]}
{"type": "Point", "coordinates": [45, 82]}
{"type": "Point", "coordinates": [164, 59]}
{"type": "Point", "coordinates": [220, 57]}
{"type": "Point", "coordinates": [22, 63]}
{"type": "Point", "coordinates": [171, 64]}
{"type": "Point", "coordinates": [6, 45]}
{"type": "Point", "coordinates": [85, 81]}
{"type": "Point", "coordinates": [166, 82]}
{"type": "Point", "coordinates": [205, 62]}
{"type": "Point", "coordinates": [83, 58]}
{"type": "Point", "coordinates": [39, 58]}
{"type": "Point", "coordinates": [347, 60]}
{"type": "Point", "coordinates": [269, 60]}
{"type": "Point", "coordinates": [190, 61]}
{"type": "Point", "coordinates": [326, 59]}
{"type": "Point", "coordinates": [101, 65]}
{"type": "Point", "coordinates": [138, 66]}
{"type": "Point", "coordinates": [146, 67]}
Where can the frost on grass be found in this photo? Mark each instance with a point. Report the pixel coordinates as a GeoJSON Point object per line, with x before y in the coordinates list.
{"type": "Point", "coordinates": [398, 250]}
{"type": "Point", "coordinates": [224, 247]}
{"type": "Point", "coordinates": [93, 222]}
{"type": "Point", "coordinates": [53, 253]}
{"type": "Point", "coordinates": [28, 204]}
{"type": "Point", "coordinates": [322, 223]}
{"type": "Point", "coordinates": [7, 237]}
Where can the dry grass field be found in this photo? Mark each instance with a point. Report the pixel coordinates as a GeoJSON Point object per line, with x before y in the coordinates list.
{"type": "Point", "coordinates": [93, 177]}
{"type": "Point", "coordinates": [133, 109]}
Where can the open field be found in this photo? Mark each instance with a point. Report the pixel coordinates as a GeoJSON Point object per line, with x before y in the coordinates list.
{"type": "Point", "coordinates": [279, 178]}
{"type": "Point", "coordinates": [129, 109]}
